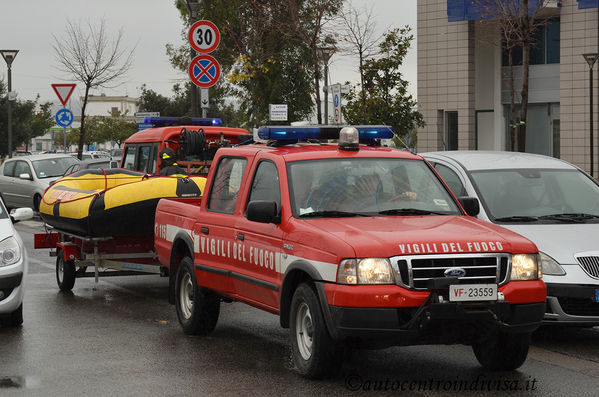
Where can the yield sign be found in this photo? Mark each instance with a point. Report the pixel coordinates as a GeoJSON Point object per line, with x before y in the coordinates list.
{"type": "Point", "coordinates": [204, 71]}
{"type": "Point", "coordinates": [63, 91]}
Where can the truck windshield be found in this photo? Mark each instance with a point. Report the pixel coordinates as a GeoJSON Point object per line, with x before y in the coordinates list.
{"type": "Point", "coordinates": [366, 186]}
{"type": "Point", "coordinates": [538, 195]}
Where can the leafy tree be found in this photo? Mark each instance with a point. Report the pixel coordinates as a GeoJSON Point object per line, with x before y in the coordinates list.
{"type": "Point", "coordinates": [72, 137]}
{"type": "Point", "coordinates": [387, 98]}
{"type": "Point", "coordinates": [88, 54]}
{"type": "Point", "coordinates": [115, 128]}
{"type": "Point", "coordinates": [29, 120]}
{"type": "Point", "coordinates": [176, 106]}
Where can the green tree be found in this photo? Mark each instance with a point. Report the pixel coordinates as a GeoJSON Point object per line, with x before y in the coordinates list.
{"type": "Point", "coordinates": [29, 120]}
{"type": "Point", "coordinates": [387, 98]}
{"type": "Point", "coordinates": [115, 128]}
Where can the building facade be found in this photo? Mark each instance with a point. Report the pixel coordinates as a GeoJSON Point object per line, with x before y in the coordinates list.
{"type": "Point", "coordinates": [464, 82]}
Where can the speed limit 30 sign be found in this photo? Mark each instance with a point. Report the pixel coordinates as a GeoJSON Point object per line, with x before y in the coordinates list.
{"type": "Point", "coordinates": [204, 36]}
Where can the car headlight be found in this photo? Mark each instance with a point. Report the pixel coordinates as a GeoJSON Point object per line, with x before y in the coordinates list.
{"type": "Point", "coordinates": [550, 266]}
{"type": "Point", "coordinates": [365, 271]}
{"type": "Point", "coordinates": [10, 251]}
{"type": "Point", "coordinates": [525, 267]}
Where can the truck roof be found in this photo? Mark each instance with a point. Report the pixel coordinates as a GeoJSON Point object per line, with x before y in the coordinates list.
{"type": "Point", "coordinates": [312, 151]}
{"type": "Point", "coordinates": [159, 134]}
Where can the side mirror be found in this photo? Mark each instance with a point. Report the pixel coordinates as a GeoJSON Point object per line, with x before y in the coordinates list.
{"type": "Point", "coordinates": [25, 176]}
{"type": "Point", "coordinates": [21, 214]}
{"type": "Point", "coordinates": [470, 205]}
{"type": "Point", "coordinates": [263, 212]}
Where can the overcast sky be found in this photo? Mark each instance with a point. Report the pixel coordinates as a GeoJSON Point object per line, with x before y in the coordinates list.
{"type": "Point", "coordinates": [29, 26]}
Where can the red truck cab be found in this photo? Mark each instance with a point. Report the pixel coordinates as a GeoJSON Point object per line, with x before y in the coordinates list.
{"type": "Point", "coordinates": [349, 244]}
{"type": "Point", "coordinates": [194, 140]}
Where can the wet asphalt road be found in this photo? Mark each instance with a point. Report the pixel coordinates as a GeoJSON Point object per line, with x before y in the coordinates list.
{"type": "Point", "coordinates": [121, 337]}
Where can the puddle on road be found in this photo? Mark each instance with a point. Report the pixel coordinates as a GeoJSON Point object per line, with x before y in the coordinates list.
{"type": "Point", "coordinates": [19, 382]}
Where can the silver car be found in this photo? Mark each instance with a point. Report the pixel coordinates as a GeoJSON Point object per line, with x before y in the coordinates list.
{"type": "Point", "coordinates": [551, 202]}
{"type": "Point", "coordinates": [23, 180]}
{"type": "Point", "coordinates": [13, 267]}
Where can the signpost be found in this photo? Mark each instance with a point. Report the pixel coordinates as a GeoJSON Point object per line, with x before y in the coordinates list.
{"type": "Point", "coordinates": [204, 70]}
{"type": "Point", "coordinates": [277, 112]}
{"type": "Point", "coordinates": [63, 92]}
{"type": "Point", "coordinates": [336, 89]}
{"type": "Point", "coordinates": [140, 117]}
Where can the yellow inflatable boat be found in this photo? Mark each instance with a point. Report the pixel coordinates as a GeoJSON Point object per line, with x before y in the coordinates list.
{"type": "Point", "coordinates": [112, 202]}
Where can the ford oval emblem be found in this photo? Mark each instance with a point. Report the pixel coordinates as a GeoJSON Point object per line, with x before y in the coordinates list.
{"type": "Point", "coordinates": [454, 272]}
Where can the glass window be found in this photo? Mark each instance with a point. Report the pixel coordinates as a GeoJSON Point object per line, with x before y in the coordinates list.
{"type": "Point", "coordinates": [9, 168]}
{"type": "Point", "coordinates": [537, 193]}
{"type": "Point", "coordinates": [544, 49]}
{"type": "Point", "coordinates": [144, 158]}
{"type": "Point", "coordinates": [52, 167]}
{"type": "Point", "coordinates": [130, 153]}
{"type": "Point", "coordinates": [226, 184]}
{"type": "Point", "coordinates": [22, 168]}
{"type": "Point", "coordinates": [372, 187]}
{"type": "Point", "coordinates": [452, 179]}
{"type": "Point", "coordinates": [553, 38]}
{"type": "Point", "coordinates": [265, 185]}
{"type": "Point", "coordinates": [451, 130]}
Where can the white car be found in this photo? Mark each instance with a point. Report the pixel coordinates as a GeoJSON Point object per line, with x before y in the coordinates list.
{"type": "Point", "coordinates": [13, 266]}
{"type": "Point", "coordinates": [551, 202]}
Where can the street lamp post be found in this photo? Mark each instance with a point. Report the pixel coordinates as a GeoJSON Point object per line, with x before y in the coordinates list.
{"type": "Point", "coordinates": [326, 53]}
{"type": "Point", "coordinates": [193, 7]}
{"type": "Point", "coordinates": [591, 58]}
{"type": "Point", "coordinates": [9, 56]}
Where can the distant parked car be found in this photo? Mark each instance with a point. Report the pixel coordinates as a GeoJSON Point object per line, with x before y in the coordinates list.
{"type": "Point", "coordinates": [19, 153]}
{"type": "Point", "coordinates": [24, 179]}
{"type": "Point", "coordinates": [116, 155]}
{"type": "Point", "coordinates": [89, 164]}
{"type": "Point", "coordinates": [13, 266]}
{"type": "Point", "coordinates": [92, 155]}
{"type": "Point", "coordinates": [549, 201]}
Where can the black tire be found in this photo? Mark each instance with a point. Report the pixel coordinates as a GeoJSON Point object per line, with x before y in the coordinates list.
{"type": "Point", "coordinates": [65, 272]}
{"type": "Point", "coordinates": [502, 352]}
{"type": "Point", "coordinates": [197, 307]}
{"type": "Point", "coordinates": [15, 319]}
{"type": "Point", "coordinates": [315, 354]}
{"type": "Point", "coordinates": [37, 199]}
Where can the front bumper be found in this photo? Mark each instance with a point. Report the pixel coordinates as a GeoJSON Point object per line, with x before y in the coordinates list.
{"type": "Point", "coordinates": [574, 304]}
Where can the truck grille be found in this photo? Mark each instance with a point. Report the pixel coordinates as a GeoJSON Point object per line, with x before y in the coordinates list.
{"type": "Point", "coordinates": [415, 271]}
{"type": "Point", "coordinates": [590, 264]}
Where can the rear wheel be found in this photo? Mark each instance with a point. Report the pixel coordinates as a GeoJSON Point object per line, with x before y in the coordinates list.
{"type": "Point", "coordinates": [65, 272]}
{"type": "Point", "coordinates": [37, 199]}
{"type": "Point", "coordinates": [315, 353]}
{"type": "Point", "coordinates": [503, 351]}
{"type": "Point", "coordinates": [197, 307]}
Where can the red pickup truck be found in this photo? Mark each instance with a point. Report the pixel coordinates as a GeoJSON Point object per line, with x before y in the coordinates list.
{"type": "Point", "coordinates": [349, 244]}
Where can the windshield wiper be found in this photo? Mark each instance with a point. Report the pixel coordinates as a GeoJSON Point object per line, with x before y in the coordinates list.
{"type": "Point", "coordinates": [570, 217]}
{"type": "Point", "coordinates": [517, 218]}
{"type": "Point", "coordinates": [408, 211]}
{"type": "Point", "coordinates": [332, 214]}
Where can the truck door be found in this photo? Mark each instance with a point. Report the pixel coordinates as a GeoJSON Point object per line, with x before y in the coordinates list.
{"type": "Point", "coordinates": [218, 253]}
{"type": "Point", "coordinates": [259, 276]}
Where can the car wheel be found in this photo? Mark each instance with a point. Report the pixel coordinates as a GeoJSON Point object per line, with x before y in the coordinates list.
{"type": "Point", "coordinates": [37, 199]}
{"type": "Point", "coordinates": [65, 272]}
{"type": "Point", "coordinates": [197, 307]}
{"type": "Point", "coordinates": [503, 351]}
{"type": "Point", "coordinates": [15, 319]}
{"type": "Point", "coordinates": [315, 353]}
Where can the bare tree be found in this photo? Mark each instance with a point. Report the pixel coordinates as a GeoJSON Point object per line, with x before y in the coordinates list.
{"type": "Point", "coordinates": [518, 21]}
{"type": "Point", "coordinates": [358, 39]}
{"type": "Point", "coordinates": [87, 53]}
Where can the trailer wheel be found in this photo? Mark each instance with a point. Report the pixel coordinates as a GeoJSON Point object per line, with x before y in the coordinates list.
{"type": "Point", "coordinates": [315, 353]}
{"type": "Point", "coordinates": [502, 352]}
{"type": "Point", "coordinates": [65, 272]}
{"type": "Point", "coordinates": [197, 307]}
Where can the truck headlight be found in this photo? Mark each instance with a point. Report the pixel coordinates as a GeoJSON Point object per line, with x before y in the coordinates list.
{"type": "Point", "coordinates": [10, 251]}
{"type": "Point", "coordinates": [525, 267]}
{"type": "Point", "coordinates": [365, 271]}
{"type": "Point", "coordinates": [550, 265]}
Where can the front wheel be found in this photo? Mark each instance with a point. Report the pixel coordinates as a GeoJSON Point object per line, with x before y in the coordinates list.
{"type": "Point", "coordinates": [503, 351]}
{"type": "Point", "coordinates": [197, 307]}
{"type": "Point", "coordinates": [315, 353]}
{"type": "Point", "coordinates": [65, 272]}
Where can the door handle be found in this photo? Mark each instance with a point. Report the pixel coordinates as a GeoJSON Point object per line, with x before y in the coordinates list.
{"type": "Point", "coordinates": [204, 230]}
{"type": "Point", "coordinates": [240, 236]}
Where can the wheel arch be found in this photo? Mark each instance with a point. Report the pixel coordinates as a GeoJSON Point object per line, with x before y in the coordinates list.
{"type": "Point", "coordinates": [182, 247]}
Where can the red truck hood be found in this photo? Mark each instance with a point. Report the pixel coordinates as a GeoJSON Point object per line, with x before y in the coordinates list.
{"type": "Point", "coordinates": [421, 235]}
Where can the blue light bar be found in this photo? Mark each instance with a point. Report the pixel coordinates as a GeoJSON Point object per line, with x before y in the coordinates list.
{"type": "Point", "coordinates": [287, 133]}
{"type": "Point", "coordinates": [173, 121]}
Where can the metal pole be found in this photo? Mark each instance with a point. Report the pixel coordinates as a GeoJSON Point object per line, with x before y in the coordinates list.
{"type": "Point", "coordinates": [326, 92]}
{"type": "Point", "coordinates": [591, 112]}
{"type": "Point", "coordinates": [9, 114]}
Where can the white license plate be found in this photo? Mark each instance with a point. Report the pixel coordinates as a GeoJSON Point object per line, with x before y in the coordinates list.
{"type": "Point", "coordinates": [473, 292]}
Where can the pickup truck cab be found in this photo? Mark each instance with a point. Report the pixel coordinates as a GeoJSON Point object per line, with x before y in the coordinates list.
{"type": "Point", "coordinates": [350, 245]}
{"type": "Point", "coordinates": [194, 140]}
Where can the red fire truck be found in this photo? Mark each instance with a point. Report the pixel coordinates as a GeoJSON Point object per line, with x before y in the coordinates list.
{"type": "Point", "coordinates": [349, 243]}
